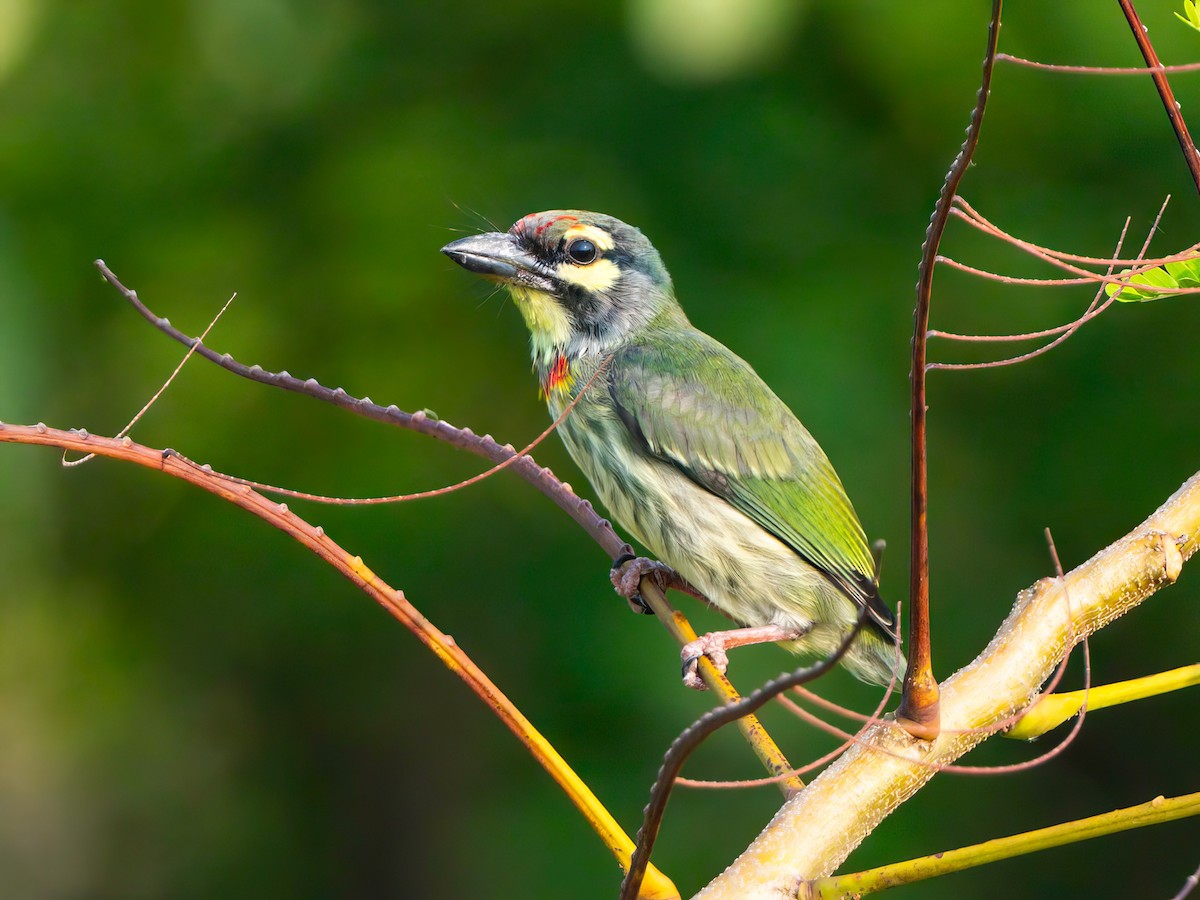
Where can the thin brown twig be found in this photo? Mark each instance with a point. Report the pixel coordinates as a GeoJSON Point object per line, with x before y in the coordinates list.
{"type": "Point", "coordinates": [70, 464]}
{"type": "Point", "coordinates": [965, 211]}
{"type": "Point", "coordinates": [1088, 315]}
{"type": "Point", "coordinates": [1096, 70]}
{"type": "Point", "coordinates": [1060, 260]}
{"type": "Point", "coordinates": [1094, 309]}
{"type": "Point", "coordinates": [419, 495]}
{"type": "Point", "coordinates": [1019, 280]}
{"type": "Point", "coordinates": [1190, 155]}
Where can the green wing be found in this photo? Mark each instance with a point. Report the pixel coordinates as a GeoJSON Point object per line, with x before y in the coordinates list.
{"type": "Point", "coordinates": [689, 401]}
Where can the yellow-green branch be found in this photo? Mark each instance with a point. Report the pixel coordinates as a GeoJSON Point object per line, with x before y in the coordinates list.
{"type": "Point", "coordinates": [1153, 812]}
{"type": "Point", "coordinates": [656, 886]}
{"type": "Point", "coordinates": [760, 741]}
{"type": "Point", "coordinates": [1053, 709]}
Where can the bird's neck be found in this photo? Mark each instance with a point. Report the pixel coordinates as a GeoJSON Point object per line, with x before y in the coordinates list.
{"type": "Point", "coordinates": [562, 352]}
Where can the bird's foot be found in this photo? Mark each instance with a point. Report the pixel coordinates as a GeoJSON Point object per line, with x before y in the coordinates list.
{"type": "Point", "coordinates": [711, 645]}
{"type": "Point", "coordinates": [628, 570]}
{"type": "Point", "coordinates": [715, 644]}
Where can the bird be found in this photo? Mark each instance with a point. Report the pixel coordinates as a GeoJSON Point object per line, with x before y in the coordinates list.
{"type": "Point", "coordinates": [687, 447]}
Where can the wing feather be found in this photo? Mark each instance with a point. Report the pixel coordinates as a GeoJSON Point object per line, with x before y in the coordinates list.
{"type": "Point", "coordinates": [690, 401]}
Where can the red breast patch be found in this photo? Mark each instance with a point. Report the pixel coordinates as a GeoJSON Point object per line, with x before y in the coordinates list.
{"type": "Point", "coordinates": [558, 376]}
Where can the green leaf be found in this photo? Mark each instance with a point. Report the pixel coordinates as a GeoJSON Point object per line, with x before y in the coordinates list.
{"type": "Point", "coordinates": [1149, 285]}
{"type": "Point", "coordinates": [1192, 15]}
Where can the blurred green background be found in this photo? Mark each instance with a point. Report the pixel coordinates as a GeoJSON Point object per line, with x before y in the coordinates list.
{"type": "Point", "coordinates": [191, 705]}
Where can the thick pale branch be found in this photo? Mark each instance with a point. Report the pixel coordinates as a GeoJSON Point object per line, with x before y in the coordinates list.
{"type": "Point", "coordinates": [815, 830]}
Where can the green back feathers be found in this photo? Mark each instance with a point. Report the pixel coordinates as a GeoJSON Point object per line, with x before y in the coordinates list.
{"type": "Point", "coordinates": [690, 401]}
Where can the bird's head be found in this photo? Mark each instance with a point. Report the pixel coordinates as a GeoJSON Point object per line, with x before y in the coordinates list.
{"type": "Point", "coordinates": [582, 280]}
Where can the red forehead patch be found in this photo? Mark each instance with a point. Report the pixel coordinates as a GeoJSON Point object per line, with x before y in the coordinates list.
{"type": "Point", "coordinates": [522, 227]}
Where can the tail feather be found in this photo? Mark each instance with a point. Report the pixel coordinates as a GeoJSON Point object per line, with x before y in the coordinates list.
{"type": "Point", "coordinates": [874, 656]}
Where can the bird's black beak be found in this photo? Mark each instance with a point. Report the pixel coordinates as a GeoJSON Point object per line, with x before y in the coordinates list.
{"type": "Point", "coordinates": [496, 256]}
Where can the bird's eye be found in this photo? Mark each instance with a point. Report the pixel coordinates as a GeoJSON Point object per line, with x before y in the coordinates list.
{"type": "Point", "coordinates": [582, 251]}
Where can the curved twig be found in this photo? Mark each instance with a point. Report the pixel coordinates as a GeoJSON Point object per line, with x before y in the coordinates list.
{"type": "Point", "coordinates": [598, 528]}
{"type": "Point", "coordinates": [580, 510]}
{"type": "Point", "coordinates": [698, 732]}
{"type": "Point", "coordinates": [392, 600]}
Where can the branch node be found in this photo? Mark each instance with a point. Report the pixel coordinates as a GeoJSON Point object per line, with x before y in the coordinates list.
{"type": "Point", "coordinates": [923, 717]}
{"type": "Point", "coordinates": [1172, 557]}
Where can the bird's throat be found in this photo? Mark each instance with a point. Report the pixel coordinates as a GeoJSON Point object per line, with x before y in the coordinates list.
{"type": "Point", "coordinates": [548, 323]}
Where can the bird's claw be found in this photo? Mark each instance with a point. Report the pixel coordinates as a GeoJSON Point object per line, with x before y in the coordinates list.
{"type": "Point", "coordinates": [711, 646]}
{"type": "Point", "coordinates": [626, 576]}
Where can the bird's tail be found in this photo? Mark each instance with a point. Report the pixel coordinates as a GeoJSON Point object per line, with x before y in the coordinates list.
{"type": "Point", "coordinates": [875, 656]}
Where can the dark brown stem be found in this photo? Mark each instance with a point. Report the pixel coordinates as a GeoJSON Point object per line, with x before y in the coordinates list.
{"type": "Point", "coordinates": [698, 732]}
{"type": "Point", "coordinates": [919, 708]}
{"type": "Point", "coordinates": [481, 445]}
{"type": "Point", "coordinates": [1186, 144]}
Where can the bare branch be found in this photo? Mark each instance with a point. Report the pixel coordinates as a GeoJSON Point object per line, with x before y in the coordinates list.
{"type": "Point", "coordinates": [463, 438]}
{"type": "Point", "coordinates": [1096, 70]}
{"type": "Point", "coordinates": [598, 528]}
{"type": "Point", "coordinates": [817, 829]}
{"type": "Point", "coordinates": [391, 599]}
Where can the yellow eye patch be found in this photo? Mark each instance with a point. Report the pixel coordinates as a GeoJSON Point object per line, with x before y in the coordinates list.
{"type": "Point", "coordinates": [597, 276]}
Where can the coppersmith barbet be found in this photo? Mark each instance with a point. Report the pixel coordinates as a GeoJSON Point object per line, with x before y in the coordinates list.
{"type": "Point", "coordinates": [686, 446]}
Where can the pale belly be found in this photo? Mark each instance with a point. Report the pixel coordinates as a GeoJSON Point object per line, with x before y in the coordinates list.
{"type": "Point", "coordinates": [741, 568]}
